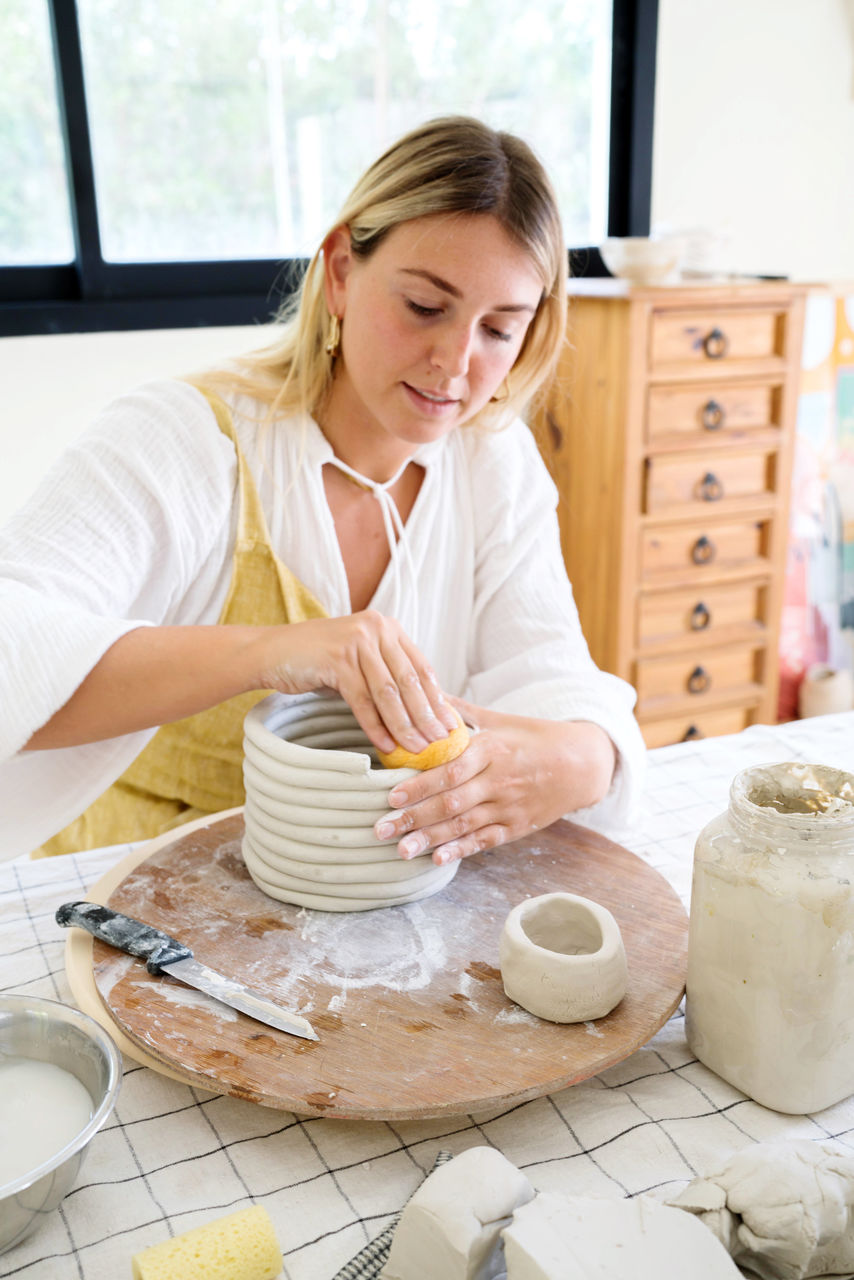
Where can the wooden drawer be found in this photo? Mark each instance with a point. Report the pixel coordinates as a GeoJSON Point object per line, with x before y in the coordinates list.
{"type": "Point", "coordinates": [671, 571]}
{"type": "Point", "coordinates": [707, 412]}
{"type": "Point", "coordinates": [721, 612]}
{"type": "Point", "coordinates": [720, 336]}
{"type": "Point", "coordinates": [706, 724]}
{"type": "Point", "coordinates": [701, 548]}
{"type": "Point", "coordinates": [674, 480]}
{"type": "Point", "coordinates": [714, 674]}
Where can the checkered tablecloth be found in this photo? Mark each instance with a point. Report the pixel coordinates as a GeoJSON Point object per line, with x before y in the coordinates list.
{"type": "Point", "coordinates": [174, 1157]}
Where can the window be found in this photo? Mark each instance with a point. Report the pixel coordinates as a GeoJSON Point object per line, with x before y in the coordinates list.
{"type": "Point", "coordinates": [207, 155]}
{"type": "Point", "coordinates": [35, 216]}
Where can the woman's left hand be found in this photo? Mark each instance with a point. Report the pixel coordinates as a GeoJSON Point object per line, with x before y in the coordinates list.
{"type": "Point", "coordinates": [516, 776]}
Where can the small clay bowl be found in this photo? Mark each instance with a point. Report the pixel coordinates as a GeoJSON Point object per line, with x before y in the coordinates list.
{"type": "Point", "coordinates": [562, 958]}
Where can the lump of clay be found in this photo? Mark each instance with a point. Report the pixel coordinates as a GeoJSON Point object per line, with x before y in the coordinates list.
{"type": "Point", "coordinates": [452, 1225]}
{"type": "Point", "coordinates": [782, 1210]}
{"type": "Point", "coordinates": [575, 1238]}
{"type": "Point", "coordinates": [562, 958]}
{"type": "Point", "coordinates": [312, 798]}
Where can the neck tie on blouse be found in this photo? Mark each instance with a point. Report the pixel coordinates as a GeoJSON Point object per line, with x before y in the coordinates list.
{"type": "Point", "coordinates": [395, 536]}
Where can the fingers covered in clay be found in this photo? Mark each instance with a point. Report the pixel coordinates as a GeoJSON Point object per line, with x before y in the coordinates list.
{"type": "Point", "coordinates": [447, 748]}
{"type": "Point", "coordinates": [517, 775]}
{"type": "Point", "coordinates": [443, 806]}
{"type": "Point", "coordinates": [369, 660]}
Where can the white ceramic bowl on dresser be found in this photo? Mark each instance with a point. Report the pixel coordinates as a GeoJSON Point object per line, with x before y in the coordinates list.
{"type": "Point", "coordinates": [641, 259]}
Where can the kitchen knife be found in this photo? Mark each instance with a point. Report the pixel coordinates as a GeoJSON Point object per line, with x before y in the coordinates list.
{"type": "Point", "coordinates": [163, 954]}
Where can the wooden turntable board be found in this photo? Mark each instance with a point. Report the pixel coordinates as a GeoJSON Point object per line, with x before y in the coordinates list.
{"type": "Point", "coordinates": [407, 1001]}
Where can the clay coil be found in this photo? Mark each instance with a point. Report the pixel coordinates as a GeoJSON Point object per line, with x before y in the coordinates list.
{"type": "Point", "coordinates": [320, 901]}
{"type": "Point", "coordinates": [285, 789]}
{"type": "Point", "coordinates": [314, 791]}
{"type": "Point", "coordinates": [302, 839]}
{"type": "Point", "coordinates": [350, 824]}
{"type": "Point", "coordinates": [281, 870]}
{"type": "Point", "coordinates": [306, 778]}
{"type": "Point", "coordinates": [313, 852]}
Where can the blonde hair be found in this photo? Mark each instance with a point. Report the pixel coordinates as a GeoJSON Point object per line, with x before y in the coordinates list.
{"type": "Point", "coordinates": [455, 164]}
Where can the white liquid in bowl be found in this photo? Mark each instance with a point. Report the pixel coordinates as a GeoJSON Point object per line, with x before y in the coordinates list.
{"type": "Point", "coordinates": [42, 1109]}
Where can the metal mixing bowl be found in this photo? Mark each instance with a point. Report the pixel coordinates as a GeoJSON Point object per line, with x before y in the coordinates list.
{"type": "Point", "coordinates": [55, 1033]}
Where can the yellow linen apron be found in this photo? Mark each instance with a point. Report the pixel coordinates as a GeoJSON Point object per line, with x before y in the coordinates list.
{"type": "Point", "coordinates": [194, 766]}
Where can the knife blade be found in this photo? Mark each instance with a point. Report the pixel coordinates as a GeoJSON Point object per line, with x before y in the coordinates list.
{"type": "Point", "coordinates": [164, 954]}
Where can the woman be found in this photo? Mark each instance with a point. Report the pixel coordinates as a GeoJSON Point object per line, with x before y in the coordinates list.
{"type": "Point", "coordinates": [346, 508]}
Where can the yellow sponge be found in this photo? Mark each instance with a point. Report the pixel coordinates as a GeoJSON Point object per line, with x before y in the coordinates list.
{"type": "Point", "coordinates": [436, 753]}
{"type": "Point", "coordinates": [241, 1246]}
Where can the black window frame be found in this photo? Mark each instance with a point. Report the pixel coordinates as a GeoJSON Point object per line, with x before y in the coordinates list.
{"type": "Point", "coordinates": [92, 295]}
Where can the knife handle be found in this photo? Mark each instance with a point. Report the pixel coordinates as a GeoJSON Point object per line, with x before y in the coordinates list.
{"type": "Point", "coordinates": [134, 937]}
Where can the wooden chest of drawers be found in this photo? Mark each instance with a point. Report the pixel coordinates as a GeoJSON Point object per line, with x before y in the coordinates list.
{"type": "Point", "coordinates": [669, 432]}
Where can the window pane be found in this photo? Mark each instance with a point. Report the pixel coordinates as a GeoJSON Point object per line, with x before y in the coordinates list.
{"type": "Point", "coordinates": [35, 221]}
{"type": "Point", "coordinates": [236, 130]}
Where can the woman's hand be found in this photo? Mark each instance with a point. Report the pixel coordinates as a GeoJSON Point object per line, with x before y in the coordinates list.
{"type": "Point", "coordinates": [369, 660]}
{"type": "Point", "coordinates": [516, 776]}
{"type": "Point", "coordinates": [153, 675]}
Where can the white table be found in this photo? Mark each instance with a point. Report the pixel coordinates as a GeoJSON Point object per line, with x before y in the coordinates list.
{"type": "Point", "coordinates": [174, 1157]}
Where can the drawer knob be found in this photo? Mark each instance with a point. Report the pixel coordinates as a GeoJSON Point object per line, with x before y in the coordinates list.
{"type": "Point", "coordinates": [713, 415]}
{"type": "Point", "coordinates": [703, 550]}
{"type": "Point", "coordinates": [699, 680]}
{"type": "Point", "coordinates": [716, 344]}
{"type": "Point", "coordinates": [711, 488]}
{"type": "Point", "coordinates": [691, 733]}
{"type": "Point", "coordinates": [700, 617]}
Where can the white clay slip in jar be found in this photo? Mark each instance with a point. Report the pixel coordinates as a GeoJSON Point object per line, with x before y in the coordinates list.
{"type": "Point", "coordinates": [770, 1000]}
{"type": "Point", "coordinates": [314, 790]}
{"type": "Point", "coordinates": [562, 958]}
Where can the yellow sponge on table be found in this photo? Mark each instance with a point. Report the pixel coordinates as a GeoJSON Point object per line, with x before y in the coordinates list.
{"type": "Point", "coordinates": [240, 1246]}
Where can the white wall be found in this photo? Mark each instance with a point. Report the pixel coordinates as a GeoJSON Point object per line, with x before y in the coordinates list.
{"type": "Point", "coordinates": [754, 131]}
{"type": "Point", "coordinates": [53, 386]}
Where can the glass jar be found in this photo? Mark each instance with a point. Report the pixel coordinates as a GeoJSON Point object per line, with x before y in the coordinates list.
{"type": "Point", "coordinates": [770, 988]}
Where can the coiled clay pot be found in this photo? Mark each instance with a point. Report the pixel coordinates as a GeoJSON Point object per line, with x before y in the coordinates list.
{"type": "Point", "coordinates": [314, 790]}
{"type": "Point", "coordinates": [562, 958]}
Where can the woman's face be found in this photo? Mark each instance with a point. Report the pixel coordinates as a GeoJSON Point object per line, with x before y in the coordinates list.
{"type": "Point", "coordinates": [431, 324]}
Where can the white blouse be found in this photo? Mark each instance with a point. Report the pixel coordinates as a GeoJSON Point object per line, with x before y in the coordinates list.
{"type": "Point", "coordinates": [136, 525]}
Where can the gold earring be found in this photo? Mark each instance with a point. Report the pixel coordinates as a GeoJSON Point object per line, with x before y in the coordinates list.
{"type": "Point", "coordinates": [497, 399]}
{"type": "Point", "coordinates": [334, 340]}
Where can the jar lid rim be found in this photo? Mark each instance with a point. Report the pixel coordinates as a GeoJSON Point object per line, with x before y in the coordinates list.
{"type": "Point", "coordinates": [815, 791]}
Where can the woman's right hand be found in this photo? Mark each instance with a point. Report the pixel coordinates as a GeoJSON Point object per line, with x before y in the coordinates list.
{"type": "Point", "coordinates": [153, 675]}
{"type": "Point", "coordinates": [372, 664]}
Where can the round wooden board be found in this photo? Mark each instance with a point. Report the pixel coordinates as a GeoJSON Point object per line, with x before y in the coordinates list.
{"type": "Point", "coordinates": [407, 1001]}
